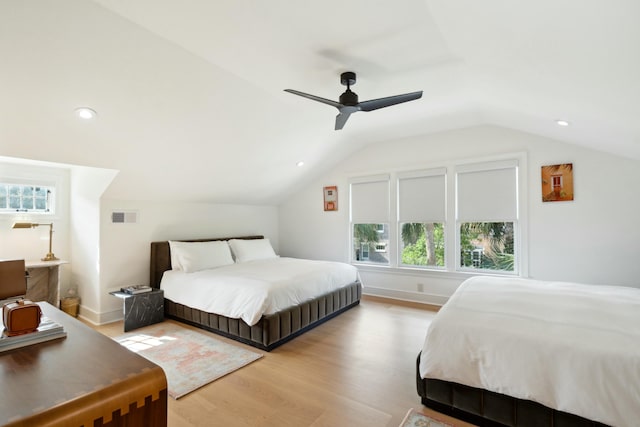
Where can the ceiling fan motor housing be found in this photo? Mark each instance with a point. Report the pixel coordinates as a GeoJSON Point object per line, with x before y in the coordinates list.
{"type": "Point", "coordinates": [349, 98]}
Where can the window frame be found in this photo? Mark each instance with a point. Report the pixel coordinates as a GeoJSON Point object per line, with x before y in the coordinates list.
{"type": "Point", "coordinates": [490, 167]}
{"type": "Point", "coordinates": [36, 176]}
{"type": "Point", "coordinates": [381, 216]}
{"type": "Point", "coordinates": [451, 226]}
{"type": "Point", "coordinates": [433, 217]}
{"type": "Point", "coordinates": [50, 202]}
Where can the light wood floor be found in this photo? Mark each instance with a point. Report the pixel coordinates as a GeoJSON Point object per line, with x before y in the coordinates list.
{"type": "Point", "coordinates": [357, 369]}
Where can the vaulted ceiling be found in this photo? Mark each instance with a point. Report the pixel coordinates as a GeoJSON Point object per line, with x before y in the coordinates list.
{"type": "Point", "coordinates": [190, 100]}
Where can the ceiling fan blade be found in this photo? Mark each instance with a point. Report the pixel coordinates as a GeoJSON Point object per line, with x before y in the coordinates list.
{"type": "Point", "coordinates": [315, 98]}
{"type": "Point", "coordinates": [374, 104]}
{"type": "Point", "coordinates": [341, 119]}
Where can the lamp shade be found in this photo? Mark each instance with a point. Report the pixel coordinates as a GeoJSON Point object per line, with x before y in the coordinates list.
{"type": "Point", "coordinates": [24, 225]}
{"type": "Point", "coordinates": [49, 256]}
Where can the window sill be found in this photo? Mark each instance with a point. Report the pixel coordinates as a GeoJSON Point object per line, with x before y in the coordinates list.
{"type": "Point", "coordinates": [445, 274]}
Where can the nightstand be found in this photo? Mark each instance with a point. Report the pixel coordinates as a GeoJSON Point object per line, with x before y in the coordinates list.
{"type": "Point", "coordinates": [142, 309]}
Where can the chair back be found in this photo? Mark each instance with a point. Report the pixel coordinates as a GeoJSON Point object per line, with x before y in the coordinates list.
{"type": "Point", "coordinates": [13, 279]}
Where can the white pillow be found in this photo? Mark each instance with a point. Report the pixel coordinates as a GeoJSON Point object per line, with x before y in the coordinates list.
{"type": "Point", "coordinates": [174, 247]}
{"type": "Point", "coordinates": [196, 256]}
{"type": "Point", "coordinates": [249, 250]}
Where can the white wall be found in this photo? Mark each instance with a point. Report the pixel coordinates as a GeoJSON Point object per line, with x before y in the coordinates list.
{"type": "Point", "coordinates": [86, 188]}
{"type": "Point", "coordinates": [593, 239]}
{"type": "Point", "coordinates": [125, 248]}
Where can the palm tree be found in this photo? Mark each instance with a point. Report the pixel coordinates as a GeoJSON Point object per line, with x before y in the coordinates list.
{"type": "Point", "coordinates": [412, 231]}
{"type": "Point", "coordinates": [430, 242]}
{"type": "Point", "coordinates": [499, 236]}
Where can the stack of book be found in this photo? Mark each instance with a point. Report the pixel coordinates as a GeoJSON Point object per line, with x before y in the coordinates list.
{"type": "Point", "coordinates": [136, 289]}
{"type": "Point", "coordinates": [47, 331]}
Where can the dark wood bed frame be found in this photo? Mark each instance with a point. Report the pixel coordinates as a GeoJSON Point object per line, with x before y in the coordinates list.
{"type": "Point", "coordinates": [488, 409]}
{"type": "Point", "coordinates": [272, 330]}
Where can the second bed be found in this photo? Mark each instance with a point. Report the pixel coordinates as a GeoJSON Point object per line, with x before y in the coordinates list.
{"type": "Point", "coordinates": [522, 352]}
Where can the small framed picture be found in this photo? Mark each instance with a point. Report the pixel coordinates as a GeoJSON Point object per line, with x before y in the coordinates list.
{"type": "Point", "coordinates": [557, 182]}
{"type": "Point", "coordinates": [331, 198]}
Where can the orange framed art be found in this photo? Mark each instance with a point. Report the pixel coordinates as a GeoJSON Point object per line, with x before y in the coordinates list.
{"type": "Point", "coordinates": [557, 182]}
{"type": "Point", "coordinates": [331, 198]}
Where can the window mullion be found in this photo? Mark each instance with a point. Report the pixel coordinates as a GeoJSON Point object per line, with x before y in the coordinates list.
{"type": "Point", "coordinates": [393, 221]}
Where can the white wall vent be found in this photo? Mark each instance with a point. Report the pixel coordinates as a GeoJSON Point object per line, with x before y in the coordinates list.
{"type": "Point", "coordinates": [121, 217]}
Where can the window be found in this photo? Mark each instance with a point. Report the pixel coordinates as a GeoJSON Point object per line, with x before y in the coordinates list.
{"type": "Point", "coordinates": [364, 251]}
{"type": "Point", "coordinates": [556, 182]}
{"type": "Point", "coordinates": [487, 215]}
{"type": "Point", "coordinates": [369, 200]}
{"type": "Point", "coordinates": [462, 217]}
{"type": "Point", "coordinates": [15, 197]}
{"type": "Point", "coordinates": [421, 218]}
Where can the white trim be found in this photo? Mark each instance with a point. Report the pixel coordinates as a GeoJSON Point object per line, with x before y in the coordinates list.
{"type": "Point", "coordinates": [97, 318]}
{"type": "Point", "coordinates": [419, 297]}
{"type": "Point", "coordinates": [370, 178]}
{"type": "Point", "coordinates": [425, 272]}
{"type": "Point", "coordinates": [486, 166]}
{"type": "Point", "coordinates": [421, 173]}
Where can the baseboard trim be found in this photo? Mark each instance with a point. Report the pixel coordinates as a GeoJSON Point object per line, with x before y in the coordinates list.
{"type": "Point", "coordinates": [99, 319]}
{"type": "Point", "coordinates": [111, 316]}
{"type": "Point", "coordinates": [89, 315]}
{"type": "Point", "coordinates": [415, 297]}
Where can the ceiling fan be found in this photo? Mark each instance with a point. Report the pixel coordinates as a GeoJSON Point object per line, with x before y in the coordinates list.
{"type": "Point", "coordinates": [349, 100]}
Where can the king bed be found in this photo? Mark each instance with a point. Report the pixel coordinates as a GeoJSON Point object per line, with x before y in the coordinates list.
{"type": "Point", "coordinates": [256, 298]}
{"type": "Point", "coordinates": [520, 352]}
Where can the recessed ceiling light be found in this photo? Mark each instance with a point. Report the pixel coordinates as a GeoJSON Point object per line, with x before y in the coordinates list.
{"type": "Point", "coordinates": [85, 113]}
{"type": "Point", "coordinates": [562, 123]}
{"type": "Point", "coordinates": [300, 163]}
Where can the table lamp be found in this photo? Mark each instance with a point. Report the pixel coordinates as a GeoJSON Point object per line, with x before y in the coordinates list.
{"type": "Point", "coordinates": [49, 256]}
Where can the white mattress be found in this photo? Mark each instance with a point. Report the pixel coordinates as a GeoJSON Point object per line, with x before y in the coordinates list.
{"type": "Point", "coordinates": [571, 347]}
{"type": "Point", "coordinates": [252, 289]}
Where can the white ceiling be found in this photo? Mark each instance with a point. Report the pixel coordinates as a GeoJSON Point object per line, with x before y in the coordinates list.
{"type": "Point", "coordinates": [190, 93]}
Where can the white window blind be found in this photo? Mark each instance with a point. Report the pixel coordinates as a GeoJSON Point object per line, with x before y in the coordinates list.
{"type": "Point", "coordinates": [487, 192]}
{"type": "Point", "coordinates": [370, 200]}
{"type": "Point", "coordinates": [422, 196]}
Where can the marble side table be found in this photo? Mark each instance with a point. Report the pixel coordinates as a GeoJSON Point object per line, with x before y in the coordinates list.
{"type": "Point", "coordinates": [43, 280]}
{"type": "Point", "coordinates": [142, 309]}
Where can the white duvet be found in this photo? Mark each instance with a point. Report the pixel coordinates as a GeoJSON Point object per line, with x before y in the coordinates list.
{"type": "Point", "coordinates": [251, 289]}
{"type": "Point", "coordinates": [572, 347]}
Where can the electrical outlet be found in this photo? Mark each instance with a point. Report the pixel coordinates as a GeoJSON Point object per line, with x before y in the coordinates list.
{"type": "Point", "coordinates": [420, 287]}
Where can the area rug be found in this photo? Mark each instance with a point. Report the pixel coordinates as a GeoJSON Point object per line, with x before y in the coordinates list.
{"type": "Point", "coordinates": [190, 359]}
{"type": "Point", "coordinates": [416, 419]}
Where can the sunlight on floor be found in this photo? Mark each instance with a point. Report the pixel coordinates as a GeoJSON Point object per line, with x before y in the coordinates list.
{"type": "Point", "coordinates": [141, 342]}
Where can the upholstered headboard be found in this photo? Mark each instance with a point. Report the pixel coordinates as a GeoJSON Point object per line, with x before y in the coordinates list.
{"type": "Point", "coordinates": [161, 256]}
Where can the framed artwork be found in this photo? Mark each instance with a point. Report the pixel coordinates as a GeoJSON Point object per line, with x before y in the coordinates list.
{"type": "Point", "coordinates": [331, 198]}
{"type": "Point", "coordinates": [557, 182]}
